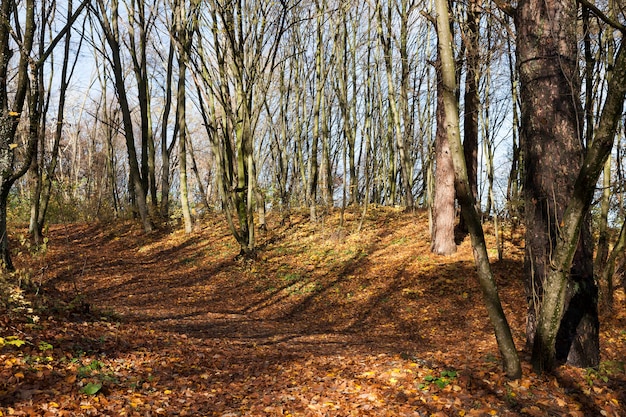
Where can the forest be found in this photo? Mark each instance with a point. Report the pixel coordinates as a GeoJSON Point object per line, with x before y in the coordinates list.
{"type": "Point", "coordinates": [296, 207]}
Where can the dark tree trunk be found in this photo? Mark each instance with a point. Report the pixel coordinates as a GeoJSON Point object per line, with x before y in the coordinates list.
{"type": "Point", "coordinates": [551, 139]}
{"type": "Point", "coordinates": [472, 104]}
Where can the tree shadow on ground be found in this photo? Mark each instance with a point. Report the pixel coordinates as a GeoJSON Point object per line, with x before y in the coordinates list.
{"type": "Point", "coordinates": [309, 320]}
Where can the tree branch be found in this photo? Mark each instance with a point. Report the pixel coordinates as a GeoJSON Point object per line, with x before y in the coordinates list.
{"type": "Point", "coordinates": [602, 16]}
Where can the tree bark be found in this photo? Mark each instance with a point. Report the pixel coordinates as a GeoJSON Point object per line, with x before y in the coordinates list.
{"type": "Point", "coordinates": [406, 171]}
{"type": "Point", "coordinates": [110, 28]}
{"type": "Point", "coordinates": [567, 326]}
{"type": "Point", "coordinates": [471, 100]}
{"type": "Point", "coordinates": [511, 363]}
{"type": "Point", "coordinates": [443, 212]}
{"type": "Point", "coordinates": [551, 137]}
{"type": "Point", "coordinates": [10, 113]}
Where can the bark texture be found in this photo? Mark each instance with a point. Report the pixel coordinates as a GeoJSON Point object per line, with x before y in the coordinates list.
{"type": "Point", "coordinates": [442, 240]}
{"type": "Point", "coordinates": [551, 136]}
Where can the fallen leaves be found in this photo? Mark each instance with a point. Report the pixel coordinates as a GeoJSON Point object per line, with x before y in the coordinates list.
{"type": "Point", "coordinates": [360, 324]}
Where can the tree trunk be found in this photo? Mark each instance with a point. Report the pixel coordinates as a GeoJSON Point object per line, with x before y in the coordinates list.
{"type": "Point", "coordinates": [472, 101]}
{"type": "Point", "coordinates": [166, 149]}
{"type": "Point", "coordinates": [552, 144]}
{"type": "Point", "coordinates": [9, 119]}
{"type": "Point", "coordinates": [196, 172]}
{"type": "Point", "coordinates": [443, 212]}
{"type": "Point", "coordinates": [486, 280]}
{"type": "Point", "coordinates": [317, 104]}
{"type": "Point", "coordinates": [110, 28]}
{"type": "Point", "coordinates": [406, 171]}
{"type": "Point", "coordinates": [184, 44]}
{"type": "Point", "coordinates": [567, 326]}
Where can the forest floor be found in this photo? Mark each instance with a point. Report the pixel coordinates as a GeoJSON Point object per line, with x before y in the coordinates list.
{"type": "Point", "coordinates": [327, 321]}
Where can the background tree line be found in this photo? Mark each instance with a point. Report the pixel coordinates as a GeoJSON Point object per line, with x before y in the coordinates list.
{"type": "Point", "coordinates": [162, 109]}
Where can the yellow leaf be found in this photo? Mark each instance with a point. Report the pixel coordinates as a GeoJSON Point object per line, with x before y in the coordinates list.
{"type": "Point", "coordinates": [167, 392]}
{"type": "Point", "coordinates": [18, 375]}
{"type": "Point", "coordinates": [53, 404]}
{"type": "Point", "coordinates": [14, 113]}
{"type": "Point", "coordinates": [615, 401]}
{"type": "Point", "coordinates": [12, 145]}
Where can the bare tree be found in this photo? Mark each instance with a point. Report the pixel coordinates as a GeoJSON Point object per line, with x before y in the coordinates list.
{"type": "Point", "coordinates": [110, 26]}
{"type": "Point", "coordinates": [15, 101]}
{"type": "Point", "coordinates": [245, 41]}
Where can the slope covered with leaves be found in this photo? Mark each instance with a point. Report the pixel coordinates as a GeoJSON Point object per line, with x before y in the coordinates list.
{"type": "Point", "coordinates": [327, 321]}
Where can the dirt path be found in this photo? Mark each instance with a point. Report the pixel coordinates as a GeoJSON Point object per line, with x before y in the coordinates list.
{"type": "Point", "coordinates": [325, 322]}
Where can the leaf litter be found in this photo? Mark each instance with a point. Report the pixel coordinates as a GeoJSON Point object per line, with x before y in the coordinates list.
{"type": "Point", "coordinates": [326, 322]}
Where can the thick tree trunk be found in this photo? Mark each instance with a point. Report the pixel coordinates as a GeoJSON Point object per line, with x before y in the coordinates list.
{"type": "Point", "coordinates": [559, 285]}
{"type": "Point", "coordinates": [552, 144]}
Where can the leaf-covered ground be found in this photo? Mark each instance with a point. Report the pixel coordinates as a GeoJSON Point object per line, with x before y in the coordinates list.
{"type": "Point", "coordinates": [327, 321]}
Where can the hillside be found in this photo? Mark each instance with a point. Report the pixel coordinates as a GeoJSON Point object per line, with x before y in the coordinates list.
{"type": "Point", "coordinates": [327, 321]}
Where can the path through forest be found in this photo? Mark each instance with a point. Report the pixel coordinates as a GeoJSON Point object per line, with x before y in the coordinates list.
{"type": "Point", "coordinates": [327, 321]}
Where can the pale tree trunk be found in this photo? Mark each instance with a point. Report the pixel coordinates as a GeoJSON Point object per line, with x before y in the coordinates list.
{"type": "Point", "coordinates": [513, 188]}
{"type": "Point", "coordinates": [182, 151]}
{"type": "Point", "coordinates": [391, 186]}
{"type": "Point", "coordinates": [343, 52]}
{"type": "Point", "coordinates": [183, 42]}
{"type": "Point", "coordinates": [606, 279]}
{"type": "Point", "coordinates": [300, 122]}
{"type": "Point", "coordinates": [443, 211]}
{"type": "Point", "coordinates": [602, 249]}
{"type": "Point", "coordinates": [110, 125]}
{"type": "Point", "coordinates": [199, 181]}
{"type": "Point", "coordinates": [326, 165]}
{"type": "Point", "coordinates": [279, 145]}
{"type": "Point", "coordinates": [406, 170]}
{"type": "Point", "coordinates": [511, 363]}
{"type": "Point", "coordinates": [317, 104]}
{"type": "Point", "coordinates": [367, 137]}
